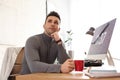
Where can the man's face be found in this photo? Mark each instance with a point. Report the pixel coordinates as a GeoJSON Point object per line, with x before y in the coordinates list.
{"type": "Point", "coordinates": [51, 25]}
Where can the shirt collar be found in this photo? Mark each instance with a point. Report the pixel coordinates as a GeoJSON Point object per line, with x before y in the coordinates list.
{"type": "Point", "coordinates": [46, 37]}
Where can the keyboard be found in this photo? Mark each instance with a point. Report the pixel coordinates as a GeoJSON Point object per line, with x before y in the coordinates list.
{"type": "Point", "coordinates": [90, 63]}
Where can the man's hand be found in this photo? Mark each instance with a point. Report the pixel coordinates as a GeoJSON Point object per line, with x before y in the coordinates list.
{"type": "Point", "coordinates": [67, 66]}
{"type": "Point", "coordinates": [55, 36]}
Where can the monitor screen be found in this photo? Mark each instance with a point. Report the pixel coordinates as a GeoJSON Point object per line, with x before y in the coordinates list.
{"type": "Point", "coordinates": [101, 40]}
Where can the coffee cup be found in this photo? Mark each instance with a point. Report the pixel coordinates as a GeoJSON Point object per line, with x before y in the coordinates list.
{"type": "Point", "coordinates": [79, 65]}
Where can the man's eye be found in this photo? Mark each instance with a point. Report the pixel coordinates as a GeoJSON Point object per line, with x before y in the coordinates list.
{"type": "Point", "coordinates": [56, 23]}
{"type": "Point", "coordinates": [49, 20]}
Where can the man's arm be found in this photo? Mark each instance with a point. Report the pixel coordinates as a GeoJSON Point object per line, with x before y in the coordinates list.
{"type": "Point", "coordinates": [62, 55]}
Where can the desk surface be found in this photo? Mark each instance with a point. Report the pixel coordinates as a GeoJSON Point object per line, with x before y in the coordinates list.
{"type": "Point", "coordinates": [59, 76]}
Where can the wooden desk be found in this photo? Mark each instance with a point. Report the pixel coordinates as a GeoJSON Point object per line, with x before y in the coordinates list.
{"type": "Point", "coordinates": [59, 76]}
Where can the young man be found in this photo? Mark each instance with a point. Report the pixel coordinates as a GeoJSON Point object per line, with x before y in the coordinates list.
{"type": "Point", "coordinates": [42, 50]}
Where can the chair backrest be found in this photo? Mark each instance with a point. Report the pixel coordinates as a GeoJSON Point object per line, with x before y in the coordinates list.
{"type": "Point", "coordinates": [18, 63]}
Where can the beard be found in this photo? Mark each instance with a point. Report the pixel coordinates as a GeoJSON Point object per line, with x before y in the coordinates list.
{"type": "Point", "coordinates": [49, 32]}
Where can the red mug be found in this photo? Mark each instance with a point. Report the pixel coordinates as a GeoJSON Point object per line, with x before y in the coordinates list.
{"type": "Point", "coordinates": [79, 65]}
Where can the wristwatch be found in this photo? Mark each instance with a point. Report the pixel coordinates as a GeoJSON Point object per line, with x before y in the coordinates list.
{"type": "Point", "coordinates": [58, 41]}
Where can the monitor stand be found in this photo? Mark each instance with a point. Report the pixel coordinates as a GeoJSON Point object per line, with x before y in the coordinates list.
{"type": "Point", "coordinates": [110, 59]}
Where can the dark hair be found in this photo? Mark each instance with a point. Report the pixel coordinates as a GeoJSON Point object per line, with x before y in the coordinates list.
{"type": "Point", "coordinates": [53, 13]}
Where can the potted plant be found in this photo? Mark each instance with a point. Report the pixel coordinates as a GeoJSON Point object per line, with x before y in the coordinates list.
{"type": "Point", "coordinates": [68, 43]}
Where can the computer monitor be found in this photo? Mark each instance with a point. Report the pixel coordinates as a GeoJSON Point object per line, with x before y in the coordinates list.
{"type": "Point", "coordinates": [101, 40]}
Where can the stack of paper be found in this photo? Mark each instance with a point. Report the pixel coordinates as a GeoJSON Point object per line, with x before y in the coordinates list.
{"type": "Point", "coordinates": [101, 72]}
{"type": "Point", "coordinates": [104, 69]}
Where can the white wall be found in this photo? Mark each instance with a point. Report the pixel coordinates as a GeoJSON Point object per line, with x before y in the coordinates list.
{"type": "Point", "coordinates": [84, 14]}
{"type": "Point", "coordinates": [63, 8]}
{"type": "Point", "coordinates": [19, 19]}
